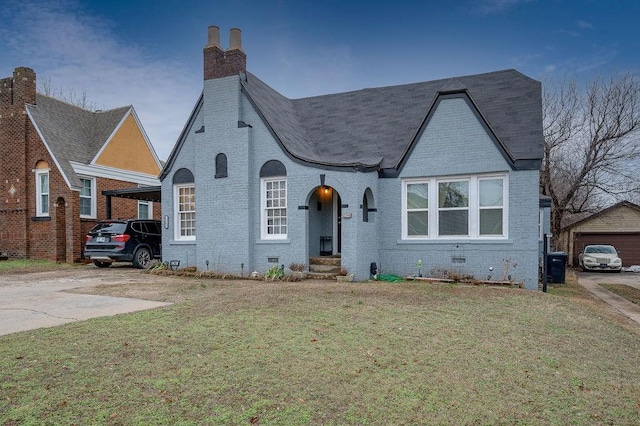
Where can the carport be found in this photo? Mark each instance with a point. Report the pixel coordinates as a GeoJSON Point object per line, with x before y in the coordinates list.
{"type": "Point", "coordinates": [144, 193]}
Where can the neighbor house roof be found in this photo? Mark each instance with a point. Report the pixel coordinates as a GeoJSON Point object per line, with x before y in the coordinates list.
{"type": "Point", "coordinates": [376, 127]}
{"type": "Point", "coordinates": [72, 133]}
{"type": "Point", "coordinates": [602, 212]}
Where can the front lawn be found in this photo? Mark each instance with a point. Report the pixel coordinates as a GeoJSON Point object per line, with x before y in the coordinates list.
{"type": "Point", "coordinates": [27, 265]}
{"type": "Point", "coordinates": [243, 352]}
{"type": "Point", "coordinates": [632, 294]}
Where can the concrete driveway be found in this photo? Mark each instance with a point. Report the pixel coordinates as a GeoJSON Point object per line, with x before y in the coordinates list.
{"type": "Point", "coordinates": [592, 280]}
{"type": "Point", "coordinates": [36, 300]}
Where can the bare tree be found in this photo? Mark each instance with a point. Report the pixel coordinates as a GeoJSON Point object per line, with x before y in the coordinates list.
{"type": "Point", "coordinates": [592, 145]}
{"type": "Point", "coordinates": [47, 88]}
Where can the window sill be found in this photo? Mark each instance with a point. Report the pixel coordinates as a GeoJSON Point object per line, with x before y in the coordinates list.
{"type": "Point", "coordinates": [182, 242]}
{"type": "Point", "coordinates": [457, 241]}
{"type": "Point", "coordinates": [274, 241]}
{"type": "Point", "coordinates": [40, 218]}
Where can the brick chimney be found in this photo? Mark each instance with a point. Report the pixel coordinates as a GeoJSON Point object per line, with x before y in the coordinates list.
{"type": "Point", "coordinates": [19, 89]}
{"type": "Point", "coordinates": [16, 134]}
{"type": "Point", "coordinates": [219, 63]}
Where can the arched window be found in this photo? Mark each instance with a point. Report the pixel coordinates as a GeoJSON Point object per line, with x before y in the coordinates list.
{"type": "Point", "coordinates": [184, 204]}
{"type": "Point", "coordinates": [273, 200]}
{"type": "Point", "coordinates": [183, 176]}
{"type": "Point", "coordinates": [367, 206]}
{"type": "Point", "coordinates": [273, 168]}
{"type": "Point", "coordinates": [221, 166]}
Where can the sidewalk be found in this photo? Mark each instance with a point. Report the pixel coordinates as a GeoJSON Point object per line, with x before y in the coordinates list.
{"type": "Point", "coordinates": [619, 303]}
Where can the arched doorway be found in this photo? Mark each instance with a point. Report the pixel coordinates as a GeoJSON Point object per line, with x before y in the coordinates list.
{"type": "Point", "coordinates": [61, 230]}
{"type": "Point", "coordinates": [325, 225]}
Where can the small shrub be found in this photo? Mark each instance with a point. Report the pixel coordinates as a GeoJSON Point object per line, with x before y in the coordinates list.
{"type": "Point", "coordinates": [274, 273]}
{"type": "Point", "coordinates": [297, 267]}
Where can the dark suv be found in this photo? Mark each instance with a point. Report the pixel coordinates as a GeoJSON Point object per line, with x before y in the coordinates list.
{"type": "Point", "coordinates": [132, 240]}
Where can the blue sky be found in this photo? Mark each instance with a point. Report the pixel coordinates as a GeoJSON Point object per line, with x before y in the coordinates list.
{"type": "Point", "coordinates": [148, 53]}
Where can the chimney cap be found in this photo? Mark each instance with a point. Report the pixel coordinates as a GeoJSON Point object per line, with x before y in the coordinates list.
{"type": "Point", "coordinates": [213, 37]}
{"type": "Point", "coordinates": [235, 39]}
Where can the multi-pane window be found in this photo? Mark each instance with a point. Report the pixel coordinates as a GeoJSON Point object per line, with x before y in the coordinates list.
{"type": "Point", "coordinates": [275, 208]}
{"type": "Point", "coordinates": [87, 198]}
{"type": "Point", "coordinates": [471, 207]}
{"type": "Point", "coordinates": [42, 193]}
{"type": "Point", "coordinates": [453, 208]}
{"type": "Point", "coordinates": [491, 194]}
{"type": "Point", "coordinates": [186, 212]}
{"type": "Point", "coordinates": [417, 205]}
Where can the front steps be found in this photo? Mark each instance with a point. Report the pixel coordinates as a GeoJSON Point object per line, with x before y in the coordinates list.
{"type": "Point", "coordinates": [324, 267]}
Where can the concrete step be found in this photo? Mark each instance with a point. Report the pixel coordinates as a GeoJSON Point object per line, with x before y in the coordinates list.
{"type": "Point", "coordinates": [321, 276]}
{"type": "Point", "coordinates": [325, 260]}
{"type": "Point", "coordinates": [326, 269]}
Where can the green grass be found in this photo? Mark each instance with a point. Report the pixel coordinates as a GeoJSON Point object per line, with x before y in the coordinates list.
{"type": "Point", "coordinates": [28, 265]}
{"type": "Point", "coordinates": [237, 352]}
{"type": "Point", "coordinates": [632, 294]}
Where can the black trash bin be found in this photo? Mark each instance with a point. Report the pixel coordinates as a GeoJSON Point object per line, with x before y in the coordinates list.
{"type": "Point", "coordinates": [556, 266]}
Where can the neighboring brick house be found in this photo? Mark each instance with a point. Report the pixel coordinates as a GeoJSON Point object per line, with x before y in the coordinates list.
{"type": "Point", "coordinates": [55, 161]}
{"type": "Point", "coordinates": [446, 172]}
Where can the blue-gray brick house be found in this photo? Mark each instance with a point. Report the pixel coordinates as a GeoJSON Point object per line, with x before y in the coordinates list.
{"type": "Point", "coordinates": [444, 171]}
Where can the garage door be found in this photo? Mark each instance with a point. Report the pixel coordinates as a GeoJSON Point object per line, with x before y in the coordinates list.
{"type": "Point", "coordinates": [628, 245]}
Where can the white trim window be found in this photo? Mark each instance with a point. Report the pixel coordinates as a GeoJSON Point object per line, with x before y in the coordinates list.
{"type": "Point", "coordinates": [274, 208]}
{"type": "Point", "coordinates": [491, 196]}
{"type": "Point", "coordinates": [145, 209]}
{"type": "Point", "coordinates": [42, 192]}
{"type": "Point", "coordinates": [88, 197]}
{"type": "Point", "coordinates": [453, 208]}
{"type": "Point", "coordinates": [417, 209]}
{"type": "Point", "coordinates": [458, 207]}
{"type": "Point", "coordinates": [185, 211]}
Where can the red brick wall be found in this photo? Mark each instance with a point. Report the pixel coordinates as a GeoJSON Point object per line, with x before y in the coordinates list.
{"type": "Point", "coordinates": [14, 202]}
{"type": "Point", "coordinates": [59, 237]}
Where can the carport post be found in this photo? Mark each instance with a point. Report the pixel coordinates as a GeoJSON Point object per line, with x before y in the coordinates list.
{"type": "Point", "coordinates": [108, 202]}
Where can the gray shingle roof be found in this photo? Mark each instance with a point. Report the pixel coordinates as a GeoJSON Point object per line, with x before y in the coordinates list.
{"type": "Point", "coordinates": [72, 133]}
{"type": "Point", "coordinates": [371, 127]}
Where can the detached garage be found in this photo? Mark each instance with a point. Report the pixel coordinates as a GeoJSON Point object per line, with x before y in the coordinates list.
{"type": "Point", "coordinates": [618, 225]}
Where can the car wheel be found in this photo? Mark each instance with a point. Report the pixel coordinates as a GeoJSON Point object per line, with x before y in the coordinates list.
{"type": "Point", "coordinates": [101, 264]}
{"type": "Point", "coordinates": [142, 258]}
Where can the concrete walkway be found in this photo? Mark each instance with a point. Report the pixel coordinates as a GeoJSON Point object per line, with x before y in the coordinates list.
{"type": "Point", "coordinates": [591, 281]}
{"type": "Point", "coordinates": [36, 300]}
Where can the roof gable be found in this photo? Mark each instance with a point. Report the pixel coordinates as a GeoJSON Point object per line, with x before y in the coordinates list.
{"type": "Point", "coordinates": [129, 149]}
{"type": "Point", "coordinates": [375, 127]}
{"type": "Point", "coordinates": [72, 134]}
{"type": "Point", "coordinates": [603, 214]}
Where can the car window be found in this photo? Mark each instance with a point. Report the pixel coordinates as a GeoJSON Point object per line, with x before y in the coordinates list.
{"type": "Point", "coordinates": [109, 228]}
{"type": "Point", "coordinates": [600, 249]}
{"type": "Point", "coordinates": [154, 227]}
